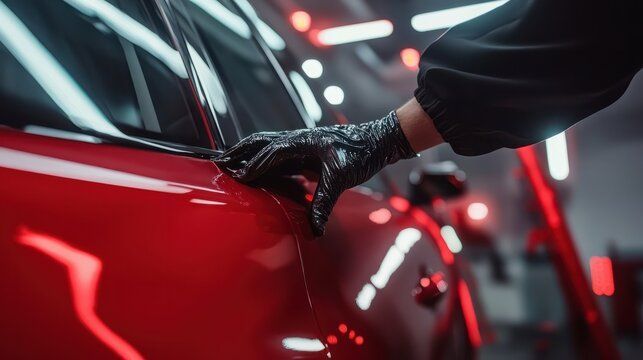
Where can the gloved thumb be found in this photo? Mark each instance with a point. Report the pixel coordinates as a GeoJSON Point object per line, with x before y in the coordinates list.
{"type": "Point", "coordinates": [324, 200]}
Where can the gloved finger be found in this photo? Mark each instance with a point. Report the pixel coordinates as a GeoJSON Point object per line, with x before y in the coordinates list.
{"type": "Point", "coordinates": [326, 196]}
{"type": "Point", "coordinates": [267, 158]}
{"type": "Point", "coordinates": [247, 148]}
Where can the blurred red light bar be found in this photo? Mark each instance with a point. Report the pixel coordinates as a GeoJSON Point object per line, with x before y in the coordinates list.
{"type": "Point", "coordinates": [356, 32]}
{"type": "Point", "coordinates": [410, 58]}
{"type": "Point", "coordinates": [300, 20]}
{"type": "Point", "coordinates": [602, 276]}
{"type": "Point", "coordinates": [469, 312]}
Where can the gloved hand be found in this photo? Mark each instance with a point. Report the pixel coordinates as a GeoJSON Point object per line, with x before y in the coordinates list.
{"type": "Point", "coordinates": [343, 155]}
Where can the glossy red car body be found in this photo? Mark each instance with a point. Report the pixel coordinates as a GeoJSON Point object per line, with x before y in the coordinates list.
{"type": "Point", "coordinates": [110, 250]}
{"type": "Point", "coordinates": [114, 251]}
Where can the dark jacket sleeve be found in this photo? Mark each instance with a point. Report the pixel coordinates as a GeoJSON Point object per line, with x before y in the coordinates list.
{"type": "Point", "coordinates": [528, 70]}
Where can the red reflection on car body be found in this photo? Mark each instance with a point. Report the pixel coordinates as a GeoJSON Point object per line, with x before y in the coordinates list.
{"type": "Point", "coordinates": [84, 271]}
{"type": "Point", "coordinates": [381, 216]}
{"type": "Point", "coordinates": [359, 340]}
{"type": "Point", "coordinates": [399, 203]}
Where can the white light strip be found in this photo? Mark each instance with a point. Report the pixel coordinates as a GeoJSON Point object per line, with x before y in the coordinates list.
{"type": "Point", "coordinates": [51, 76]}
{"type": "Point", "coordinates": [451, 238]}
{"type": "Point", "coordinates": [45, 165]}
{"type": "Point", "coordinates": [356, 32]}
{"type": "Point", "coordinates": [224, 16]}
{"type": "Point", "coordinates": [365, 296]}
{"type": "Point", "coordinates": [212, 87]}
{"type": "Point", "coordinates": [450, 17]}
{"type": "Point", "coordinates": [133, 31]}
{"type": "Point", "coordinates": [391, 262]}
{"type": "Point", "coordinates": [307, 97]}
{"type": "Point", "coordinates": [303, 344]}
{"type": "Point", "coordinates": [557, 156]}
{"type": "Point", "coordinates": [270, 36]}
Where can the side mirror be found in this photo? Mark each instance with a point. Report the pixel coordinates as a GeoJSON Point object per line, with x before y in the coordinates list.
{"type": "Point", "coordinates": [437, 180]}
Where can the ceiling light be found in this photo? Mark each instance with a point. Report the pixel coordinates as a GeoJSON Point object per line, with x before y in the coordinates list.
{"type": "Point", "coordinates": [334, 95]}
{"type": "Point", "coordinates": [312, 68]}
{"type": "Point", "coordinates": [356, 32]}
{"type": "Point", "coordinates": [447, 18]}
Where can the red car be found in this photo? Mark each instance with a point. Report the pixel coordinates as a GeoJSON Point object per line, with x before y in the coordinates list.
{"type": "Point", "coordinates": [120, 238]}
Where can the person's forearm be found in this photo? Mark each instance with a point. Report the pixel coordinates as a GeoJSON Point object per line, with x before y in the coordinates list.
{"type": "Point", "coordinates": [418, 126]}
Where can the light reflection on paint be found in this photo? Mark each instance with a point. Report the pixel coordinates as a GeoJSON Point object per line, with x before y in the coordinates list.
{"type": "Point", "coordinates": [451, 238]}
{"type": "Point", "coordinates": [399, 203]}
{"type": "Point", "coordinates": [84, 272]}
{"type": "Point", "coordinates": [365, 296]}
{"type": "Point", "coordinates": [391, 262]}
{"type": "Point", "coordinates": [395, 256]}
{"type": "Point", "coordinates": [206, 202]}
{"type": "Point", "coordinates": [302, 344]}
{"type": "Point", "coordinates": [381, 216]}
{"type": "Point", "coordinates": [40, 164]}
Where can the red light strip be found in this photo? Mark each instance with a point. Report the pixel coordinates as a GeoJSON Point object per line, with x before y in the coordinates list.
{"type": "Point", "coordinates": [84, 271]}
{"type": "Point", "coordinates": [565, 258]}
{"type": "Point", "coordinates": [602, 275]}
{"type": "Point", "coordinates": [469, 312]}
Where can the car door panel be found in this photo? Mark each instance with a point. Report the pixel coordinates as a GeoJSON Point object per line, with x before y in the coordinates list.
{"type": "Point", "coordinates": [185, 261]}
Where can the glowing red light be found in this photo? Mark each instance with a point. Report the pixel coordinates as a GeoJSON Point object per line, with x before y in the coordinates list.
{"type": "Point", "coordinates": [309, 197]}
{"type": "Point", "coordinates": [469, 313]}
{"type": "Point", "coordinates": [477, 211]}
{"type": "Point", "coordinates": [351, 334]}
{"type": "Point", "coordinates": [424, 282]}
{"type": "Point", "coordinates": [300, 20]}
{"type": "Point", "coordinates": [343, 328]}
{"type": "Point", "coordinates": [359, 340]}
{"type": "Point", "coordinates": [381, 216]}
{"type": "Point", "coordinates": [84, 271]}
{"type": "Point", "coordinates": [410, 58]}
{"type": "Point", "coordinates": [602, 275]}
{"type": "Point", "coordinates": [399, 203]}
{"type": "Point", "coordinates": [331, 339]}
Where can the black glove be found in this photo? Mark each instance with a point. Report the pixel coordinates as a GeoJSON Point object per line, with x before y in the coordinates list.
{"type": "Point", "coordinates": [343, 155]}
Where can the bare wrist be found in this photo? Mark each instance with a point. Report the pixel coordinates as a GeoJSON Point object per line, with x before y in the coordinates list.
{"type": "Point", "coordinates": [418, 126]}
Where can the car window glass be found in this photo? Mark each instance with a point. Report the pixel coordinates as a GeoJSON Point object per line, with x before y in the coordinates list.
{"type": "Point", "coordinates": [259, 98]}
{"type": "Point", "coordinates": [101, 66]}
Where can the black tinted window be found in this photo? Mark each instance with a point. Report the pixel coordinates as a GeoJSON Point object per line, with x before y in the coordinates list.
{"type": "Point", "coordinates": [97, 65]}
{"type": "Point", "coordinates": [258, 96]}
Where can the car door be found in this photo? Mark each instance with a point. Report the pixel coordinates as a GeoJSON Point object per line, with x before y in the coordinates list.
{"type": "Point", "coordinates": [118, 237]}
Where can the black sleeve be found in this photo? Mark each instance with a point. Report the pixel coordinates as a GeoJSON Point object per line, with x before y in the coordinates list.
{"type": "Point", "coordinates": [528, 70]}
